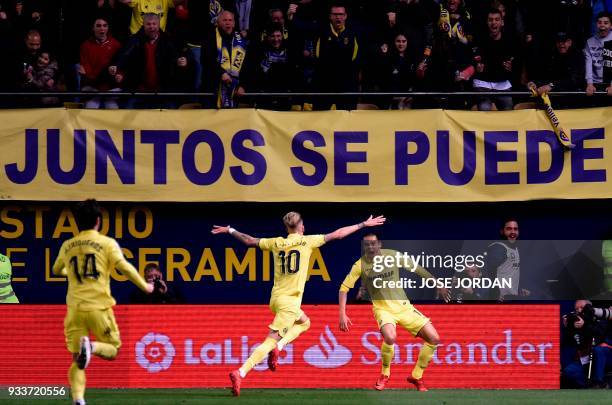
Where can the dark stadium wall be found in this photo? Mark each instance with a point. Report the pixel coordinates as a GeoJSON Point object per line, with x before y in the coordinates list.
{"type": "Point", "coordinates": [217, 269]}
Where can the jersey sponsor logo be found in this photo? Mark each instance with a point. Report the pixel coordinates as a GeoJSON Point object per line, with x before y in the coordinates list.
{"type": "Point", "coordinates": [155, 352]}
{"type": "Point", "coordinates": [330, 354]}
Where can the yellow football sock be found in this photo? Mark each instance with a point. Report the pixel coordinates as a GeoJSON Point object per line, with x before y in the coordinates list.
{"type": "Point", "coordinates": [387, 352]}
{"type": "Point", "coordinates": [77, 380]}
{"type": "Point", "coordinates": [104, 350]}
{"type": "Point", "coordinates": [258, 355]}
{"type": "Point", "coordinates": [296, 330]}
{"type": "Point", "coordinates": [425, 354]}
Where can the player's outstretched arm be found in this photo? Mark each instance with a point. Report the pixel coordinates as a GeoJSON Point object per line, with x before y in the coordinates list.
{"type": "Point", "coordinates": [347, 230]}
{"type": "Point", "coordinates": [242, 237]}
{"type": "Point", "coordinates": [345, 321]}
{"type": "Point", "coordinates": [59, 269]}
{"type": "Point", "coordinates": [132, 274]}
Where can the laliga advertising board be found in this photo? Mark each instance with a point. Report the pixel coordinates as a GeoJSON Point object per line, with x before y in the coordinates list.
{"type": "Point", "coordinates": [496, 346]}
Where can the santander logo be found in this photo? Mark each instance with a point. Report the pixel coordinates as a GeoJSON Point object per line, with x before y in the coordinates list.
{"type": "Point", "coordinates": [330, 354]}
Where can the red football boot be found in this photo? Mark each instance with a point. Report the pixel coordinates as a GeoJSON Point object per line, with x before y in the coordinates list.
{"type": "Point", "coordinates": [418, 383]}
{"type": "Point", "coordinates": [273, 359]}
{"type": "Point", "coordinates": [381, 382]}
{"type": "Point", "coordinates": [236, 380]}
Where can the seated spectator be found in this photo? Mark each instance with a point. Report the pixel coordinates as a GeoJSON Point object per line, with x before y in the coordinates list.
{"type": "Point", "coordinates": [149, 62]}
{"type": "Point", "coordinates": [274, 70]}
{"type": "Point", "coordinates": [593, 52]}
{"type": "Point", "coordinates": [42, 76]}
{"type": "Point", "coordinates": [96, 55]}
{"type": "Point", "coordinates": [223, 56]}
{"type": "Point", "coordinates": [164, 293]}
{"type": "Point", "coordinates": [494, 64]}
{"type": "Point", "coordinates": [564, 71]}
{"type": "Point", "coordinates": [140, 8]}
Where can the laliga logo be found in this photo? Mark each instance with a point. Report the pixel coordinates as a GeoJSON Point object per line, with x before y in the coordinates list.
{"type": "Point", "coordinates": [333, 354]}
{"type": "Point", "coordinates": [154, 352]}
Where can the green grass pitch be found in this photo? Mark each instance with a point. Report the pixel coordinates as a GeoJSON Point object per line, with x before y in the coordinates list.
{"type": "Point", "coordinates": [335, 397]}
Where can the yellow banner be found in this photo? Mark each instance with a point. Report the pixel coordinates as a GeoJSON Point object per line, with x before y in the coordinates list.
{"type": "Point", "coordinates": [252, 155]}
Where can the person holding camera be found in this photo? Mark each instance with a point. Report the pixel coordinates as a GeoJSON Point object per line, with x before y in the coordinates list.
{"type": "Point", "coordinates": [163, 293]}
{"type": "Point", "coordinates": [590, 340]}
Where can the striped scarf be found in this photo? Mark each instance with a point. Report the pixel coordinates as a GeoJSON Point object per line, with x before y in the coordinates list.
{"type": "Point", "coordinates": [231, 61]}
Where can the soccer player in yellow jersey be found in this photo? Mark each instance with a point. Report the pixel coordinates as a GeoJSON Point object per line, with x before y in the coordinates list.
{"type": "Point", "coordinates": [390, 307]}
{"type": "Point", "coordinates": [291, 260]}
{"type": "Point", "coordinates": [87, 260]}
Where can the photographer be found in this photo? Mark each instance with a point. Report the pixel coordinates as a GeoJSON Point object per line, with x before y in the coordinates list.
{"type": "Point", "coordinates": [162, 294]}
{"type": "Point", "coordinates": [589, 339]}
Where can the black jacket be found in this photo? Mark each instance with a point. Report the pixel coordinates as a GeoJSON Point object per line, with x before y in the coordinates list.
{"type": "Point", "coordinates": [131, 61]}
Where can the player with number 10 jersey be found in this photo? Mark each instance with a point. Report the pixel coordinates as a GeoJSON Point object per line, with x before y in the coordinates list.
{"type": "Point", "coordinates": [291, 262]}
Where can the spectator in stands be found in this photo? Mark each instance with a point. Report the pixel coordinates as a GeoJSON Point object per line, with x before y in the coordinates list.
{"type": "Point", "coordinates": [77, 17]}
{"type": "Point", "coordinates": [142, 7]}
{"type": "Point", "coordinates": [150, 62]}
{"type": "Point", "coordinates": [451, 62]}
{"type": "Point", "coordinates": [274, 70]}
{"type": "Point", "coordinates": [42, 16]}
{"type": "Point", "coordinates": [564, 71]}
{"type": "Point", "coordinates": [116, 14]}
{"type": "Point", "coordinates": [418, 18]}
{"type": "Point", "coordinates": [42, 76]}
{"type": "Point", "coordinates": [397, 71]}
{"type": "Point", "coordinates": [574, 18]}
{"type": "Point", "coordinates": [26, 59]}
{"type": "Point", "coordinates": [201, 20]}
{"type": "Point", "coordinates": [163, 292]}
{"type": "Point", "coordinates": [276, 18]}
{"type": "Point", "coordinates": [594, 55]}
{"type": "Point", "coordinates": [223, 56]}
{"type": "Point", "coordinates": [494, 63]}
{"type": "Point", "coordinates": [33, 42]}
{"type": "Point", "coordinates": [338, 57]}
{"type": "Point", "coordinates": [598, 7]}
{"type": "Point", "coordinates": [455, 21]}
{"type": "Point", "coordinates": [95, 58]}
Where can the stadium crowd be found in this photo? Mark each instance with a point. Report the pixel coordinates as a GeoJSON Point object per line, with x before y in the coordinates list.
{"type": "Point", "coordinates": [229, 47]}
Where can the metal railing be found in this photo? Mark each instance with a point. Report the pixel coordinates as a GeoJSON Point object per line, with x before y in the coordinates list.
{"type": "Point", "coordinates": [62, 94]}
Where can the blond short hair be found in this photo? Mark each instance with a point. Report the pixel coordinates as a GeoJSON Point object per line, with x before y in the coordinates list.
{"type": "Point", "coordinates": [292, 219]}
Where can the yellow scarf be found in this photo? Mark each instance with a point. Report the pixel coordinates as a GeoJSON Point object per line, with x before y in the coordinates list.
{"type": "Point", "coordinates": [231, 64]}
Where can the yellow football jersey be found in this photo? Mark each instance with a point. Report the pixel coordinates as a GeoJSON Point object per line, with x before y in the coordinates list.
{"type": "Point", "coordinates": [388, 299]}
{"type": "Point", "coordinates": [291, 260]}
{"type": "Point", "coordinates": [142, 7]}
{"type": "Point", "coordinates": [87, 260]}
